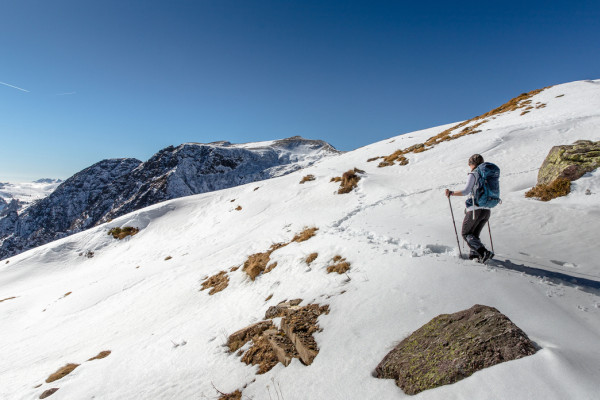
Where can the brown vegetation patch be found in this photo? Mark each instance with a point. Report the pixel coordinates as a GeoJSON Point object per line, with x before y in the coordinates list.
{"type": "Point", "coordinates": [167, 258]}
{"type": "Point", "coordinates": [121, 233]}
{"type": "Point", "coordinates": [67, 294]}
{"type": "Point", "coordinates": [62, 372]}
{"type": "Point", "coordinates": [340, 265]}
{"type": "Point", "coordinates": [48, 393]}
{"type": "Point", "coordinates": [259, 263]}
{"type": "Point", "coordinates": [294, 340]}
{"type": "Point", "coordinates": [8, 298]}
{"type": "Point", "coordinates": [373, 159]}
{"type": "Point", "coordinates": [542, 105]}
{"type": "Point", "coordinates": [235, 268]}
{"type": "Point", "coordinates": [243, 336]}
{"type": "Point", "coordinates": [546, 192]}
{"type": "Point", "coordinates": [261, 353]}
{"type": "Point", "coordinates": [311, 257]}
{"type": "Point", "coordinates": [560, 95]}
{"type": "Point", "coordinates": [237, 395]}
{"type": "Point", "coordinates": [269, 297]}
{"type": "Point", "coordinates": [336, 179]}
{"type": "Point", "coordinates": [306, 234]}
{"type": "Point", "coordinates": [238, 208]}
{"type": "Point", "coordinates": [469, 127]}
{"type": "Point", "coordinates": [308, 178]}
{"type": "Point", "coordinates": [101, 355]}
{"type": "Point", "coordinates": [216, 282]}
{"type": "Point", "coordinates": [349, 180]}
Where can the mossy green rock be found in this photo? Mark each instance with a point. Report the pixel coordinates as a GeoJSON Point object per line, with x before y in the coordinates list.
{"type": "Point", "coordinates": [570, 161]}
{"type": "Point", "coordinates": [452, 347]}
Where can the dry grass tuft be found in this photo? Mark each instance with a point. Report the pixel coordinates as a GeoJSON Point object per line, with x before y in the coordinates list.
{"type": "Point", "coordinates": [269, 297]}
{"type": "Point", "coordinates": [232, 201]}
{"type": "Point", "coordinates": [560, 95]}
{"type": "Point", "coordinates": [167, 258]}
{"type": "Point", "coordinates": [235, 268]}
{"type": "Point", "coordinates": [340, 265]}
{"type": "Point", "coordinates": [336, 179]}
{"type": "Point", "coordinates": [373, 159]}
{"type": "Point", "coordinates": [66, 294]}
{"type": "Point", "coordinates": [216, 282]}
{"type": "Point", "coordinates": [349, 181]}
{"type": "Point", "coordinates": [468, 127]}
{"type": "Point", "coordinates": [237, 395]}
{"type": "Point", "coordinates": [239, 338]}
{"type": "Point", "coordinates": [62, 372]}
{"type": "Point", "coordinates": [238, 208]}
{"type": "Point", "coordinates": [557, 188]}
{"type": "Point", "coordinates": [311, 257]}
{"type": "Point", "coordinates": [306, 234]}
{"type": "Point", "coordinates": [122, 233]}
{"type": "Point", "coordinates": [259, 262]}
{"type": "Point", "coordinates": [308, 178]}
{"type": "Point", "coordinates": [524, 112]}
{"type": "Point", "coordinates": [101, 355]}
{"type": "Point", "coordinates": [8, 298]}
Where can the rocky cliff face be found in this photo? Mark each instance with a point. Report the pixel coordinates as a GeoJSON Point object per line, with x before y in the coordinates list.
{"type": "Point", "coordinates": [112, 188]}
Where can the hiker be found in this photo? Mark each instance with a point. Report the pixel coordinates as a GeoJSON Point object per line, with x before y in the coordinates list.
{"type": "Point", "coordinates": [478, 208]}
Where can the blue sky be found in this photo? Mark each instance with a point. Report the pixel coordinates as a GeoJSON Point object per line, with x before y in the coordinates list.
{"type": "Point", "coordinates": [110, 79]}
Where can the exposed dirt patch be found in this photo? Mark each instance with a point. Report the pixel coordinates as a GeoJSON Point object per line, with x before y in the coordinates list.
{"type": "Point", "coordinates": [167, 258]}
{"type": "Point", "coordinates": [122, 233]}
{"type": "Point", "coordinates": [48, 393]}
{"type": "Point", "coordinates": [62, 372]}
{"type": "Point", "coordinates": [269, 297]}
{"type": "Point", "coordinates": [452, 347]}
{"type": "Point", "coordinates": [468, 127]}
{"type": "Point", "coordinates": [238, 208]}
{"type": "Point", "coordinates": [299, 325]}
{"type": "Point", "coordinates": [311, 257]}
{"type": "Point", "coordinates": [67, 294]}
{"type": "Point", "coordinates": [307, 178]}
{"type": "Point", "coordinates": [373, 159]}
{"type": "Point", "coordinates": [339, 265]}
{"type": "Point", "coordinates": [282, 308]}
{"type": "Point", "coordinates": [101, 355]}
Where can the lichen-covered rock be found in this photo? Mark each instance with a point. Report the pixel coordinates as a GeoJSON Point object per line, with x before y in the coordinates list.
{"type": "Point", "coordinates": [570, 161]}
{"type": "Point", "coordinates": [452, 347]}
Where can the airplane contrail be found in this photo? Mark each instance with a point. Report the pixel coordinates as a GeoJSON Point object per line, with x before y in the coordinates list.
{"type": "Point", "coordinates": [15, 87]}
{"type": "Point", "coordinates": [66, 94]}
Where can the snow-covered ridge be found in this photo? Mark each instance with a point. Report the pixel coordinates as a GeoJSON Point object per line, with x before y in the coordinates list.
{"type": "Point", "coordinates": [141, 298]}
{"type": "Point", "coordinates": [26, 193]}
{"type": "Point", "coordinates": [112, 188]}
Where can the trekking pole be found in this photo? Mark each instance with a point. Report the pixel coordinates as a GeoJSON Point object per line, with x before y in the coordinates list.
{"type": "Point", "coordinates": [454, 224]}
{"type": "Point", "coordinates": [490, 231]}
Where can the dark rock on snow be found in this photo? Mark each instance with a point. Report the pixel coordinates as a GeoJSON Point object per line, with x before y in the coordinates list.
{"type": "Point", "coordinates": [452, 347]}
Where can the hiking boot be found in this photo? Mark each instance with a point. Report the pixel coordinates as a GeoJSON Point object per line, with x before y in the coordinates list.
{"type": "Point", "coordinates": [487, 255]}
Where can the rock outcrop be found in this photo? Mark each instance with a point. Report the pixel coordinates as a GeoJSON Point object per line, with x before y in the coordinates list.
{"type": "Point", "coordinates": [452, 347]}
{"type": "Point", "coordinates": [570, 161]}
{"type": "Point", "coordinates": [562, 165]}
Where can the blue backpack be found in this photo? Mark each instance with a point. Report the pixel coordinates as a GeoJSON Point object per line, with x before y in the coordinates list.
{"type": "Point", "coordinates": [486, 191]}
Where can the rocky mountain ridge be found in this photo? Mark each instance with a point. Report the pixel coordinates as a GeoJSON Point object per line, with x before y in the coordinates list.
{"type": "Point", "coordinates": [111, 188]}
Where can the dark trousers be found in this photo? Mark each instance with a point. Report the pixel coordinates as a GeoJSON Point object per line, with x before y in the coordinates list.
{"type": "Point", "coordinates": [471, 229]}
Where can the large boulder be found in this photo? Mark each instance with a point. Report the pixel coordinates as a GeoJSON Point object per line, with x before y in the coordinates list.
{"type": "Point", "coordinates": [452, 347]}
{"type": "Point", "coordinates": [570, 161]}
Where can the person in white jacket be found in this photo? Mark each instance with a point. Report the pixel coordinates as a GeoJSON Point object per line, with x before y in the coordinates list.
{"type": "Point", "coordinates": [475, 217]}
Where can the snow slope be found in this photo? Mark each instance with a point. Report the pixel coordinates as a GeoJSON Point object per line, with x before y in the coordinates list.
{"type": "Point", "coordinates": [167, 336]}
